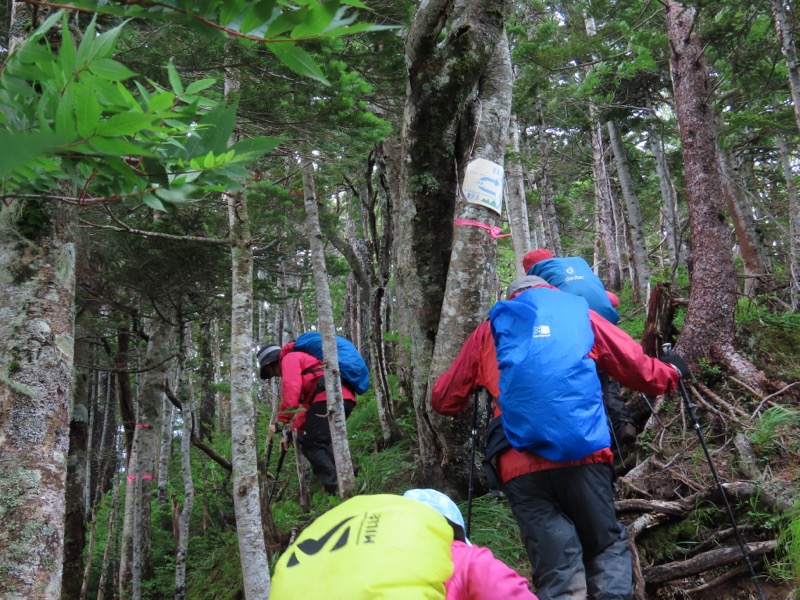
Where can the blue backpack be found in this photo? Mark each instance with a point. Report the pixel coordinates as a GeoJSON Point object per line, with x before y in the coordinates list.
{"type": "Point", "coordinates": [352, 368]}
{"type": "Point", "coordinates": [574, 275]}
{"type": "Point", "coordinates": [550, 395]}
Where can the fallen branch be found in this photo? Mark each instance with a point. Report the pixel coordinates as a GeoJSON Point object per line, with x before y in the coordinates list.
{"type": "Point", "coordinates": [705, 561]}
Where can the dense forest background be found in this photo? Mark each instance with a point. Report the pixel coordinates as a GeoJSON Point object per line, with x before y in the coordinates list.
{"type": "Point", "coordinates": [184, 181]}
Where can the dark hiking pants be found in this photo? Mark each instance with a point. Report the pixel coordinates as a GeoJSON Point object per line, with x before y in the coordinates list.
{"type": "Point", "coordinates": [315, 443]}
{"type": "Point", "coordinates": [574, 542]}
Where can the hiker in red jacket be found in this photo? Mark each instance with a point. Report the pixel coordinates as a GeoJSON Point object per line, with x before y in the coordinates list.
{"type": "Point", "coordinates": [304, 406]}
{"type": "Point", "coordinates": [564, 508]}
{"type": "Point", "coordinates": [574, 275]}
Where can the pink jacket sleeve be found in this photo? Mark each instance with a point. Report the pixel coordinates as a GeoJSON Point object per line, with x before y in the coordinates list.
{"type": "Point", "coordinates": [478, 575]}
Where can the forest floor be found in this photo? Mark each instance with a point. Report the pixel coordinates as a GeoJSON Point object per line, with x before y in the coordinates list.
{"type": "Point", "coordinates": [670, 501]}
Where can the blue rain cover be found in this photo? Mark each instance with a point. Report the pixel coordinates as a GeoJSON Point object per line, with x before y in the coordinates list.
{"type": "Point", "coordinates": [352, 368]}
{"type": "Point", "coordinates": [549, 390]}
{"type": "Point", "coordinates": [574, 275]}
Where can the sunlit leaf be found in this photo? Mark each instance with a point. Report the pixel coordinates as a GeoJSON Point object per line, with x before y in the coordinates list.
{"type": "Point", "coordinates": [298, 60]}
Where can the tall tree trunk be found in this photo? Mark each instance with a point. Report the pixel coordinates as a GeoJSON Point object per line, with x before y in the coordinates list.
{"type": "Point", "coordinates": [669, 198]}
{"type": "Point", "coordinates": [641, 263]}
{"type": "Point", "coordinates": [77, 474]}
{"type": "Point", "coordinates": [160, 348]}
{"type": "Point", "coordinates": [246, 501]}
{"type": "Point", "coordinates": [794, 224]}
{"type": "Point", "coordinates": [165, 450]}
{"type": "Point", "coordinates": [549, 216]}
{"type": "Point", "coordinates": [789, 53]}
{"type": "Point", "coordinates": [327, 328]}
{"type": "Point", "coordinates": [185, 382]}
{"type": "Point", "coordinates": [37, 269]}
{"type": "Point", "coordinates": [37, 303]}
{"type": "Point", "coordinates": [744, 225]}
{"type": "Point", "coordinates": [445, 56]}
{"type": "Point", "coordinates": [208, 395]}
{"type": "Point", "coordinates": [472, 276]}
{"type": "Point", "coordinates": [708, 327]}
{"type": "Point", "coordinates": [515, 200]}
{"type": "Point", "coordinates": [604, 209]}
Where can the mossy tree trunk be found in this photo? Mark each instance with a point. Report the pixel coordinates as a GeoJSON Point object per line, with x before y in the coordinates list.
{"type": "Point", "coordinates": [448, 48]}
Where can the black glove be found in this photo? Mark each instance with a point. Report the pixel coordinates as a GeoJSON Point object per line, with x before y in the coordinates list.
{"type": "Point", "coordinates": [678, 362]}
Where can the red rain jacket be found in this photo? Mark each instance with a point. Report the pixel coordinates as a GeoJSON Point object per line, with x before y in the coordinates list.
{"type": "Point", "coordinates": [615, 352]}
{"type": "Point", "coordinates": [299, 374]}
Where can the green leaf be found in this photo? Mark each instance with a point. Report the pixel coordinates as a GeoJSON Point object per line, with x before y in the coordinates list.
{"type": "Point", "coordinates": [18, 148]}
{"type": "Point", "coordinates": [161, 101]}
{"type": "Point", "coordinates": [153, 202]}
{"type": "Point", "coordinates": [87, 110]}
{"type": "Point", "coordinates": [174, 79]}
{"type": "Point", "coordinates": [115, 146]}
{"type": "Point", "coordinates": [254, 147]}
{"type": "Point", "coordinates": [65, 125]}
{"type": "Point", "coordinates": [176, 194]}
{"type": "Point", "coordinates": [319, 18]}
{"type": "Point", "coordinates": [259, 17]}
{"type": "Point", "coordinates": [110, 70]}
{"type": "Point", "coordinates": [298, 60]}
{"type": "Point", "coordinates": [214, 131]}
{"type": "Point", "coordinates": [209, 161]}
{"type": "Point", "coordinates": [125, 124]}
{"type": "Point", "coordinates": [199, 86]}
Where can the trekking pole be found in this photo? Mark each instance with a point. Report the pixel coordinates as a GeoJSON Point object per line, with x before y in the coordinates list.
{"type": "Point", "coordinates": [690, 406]}
{"type": "Point", "coordinates": [472, 440]}
{"type": "Point", "coordinates": [652, 408]}
{"type": "Point", "coordinates": [286, 433]}
{"type": "Point", "coordinates": [614, 435]}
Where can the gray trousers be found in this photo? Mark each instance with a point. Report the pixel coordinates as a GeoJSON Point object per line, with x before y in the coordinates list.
{"type": "Point", "coordinates": [576, 546]}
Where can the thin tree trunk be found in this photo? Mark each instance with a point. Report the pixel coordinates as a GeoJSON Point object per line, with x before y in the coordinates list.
{"type": "Point", "coordinates": [515, 200]}
{"type": "Point", "coordinates": [160, 347]}
{"type": "Point", "coordinates": [669, 198]}
{"type": "Point", "coordinates": [110, 537]}
{"type": "Point", "coordinates": [187, 413]}
{"type": "Point", "coordinates": [741, 210]}
{"type": "Point", "coordinates": [77, 476]}
{"type": "Point", "coordinates": [333, 382]}
{"type": "Point", "coordinates": [604, 207]}
{"type": "Point", "coordinates": [641, 264]}
{"type": "Point", "coordinates": [246, 501]}
{"type": "Point", "coordinates": [552, 235]}
{"type": "Point", "coordinates": [794, 224]}
{"type": "Point", "coordinates": [221, 400]}
{"type": "Point", "coordinates": [789, 53]}
{"type": "Point", "coordinates": [165, 452]}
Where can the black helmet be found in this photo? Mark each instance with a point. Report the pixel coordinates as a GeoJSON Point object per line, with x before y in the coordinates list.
{"type": "Point", "coordinates": [266, 356]}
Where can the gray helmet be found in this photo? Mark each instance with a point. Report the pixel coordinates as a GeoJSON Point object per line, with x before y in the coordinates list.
{"type": "Point", "coordinates": [523, 283]}
{"type": "Point", "coordinates": [266, 356]}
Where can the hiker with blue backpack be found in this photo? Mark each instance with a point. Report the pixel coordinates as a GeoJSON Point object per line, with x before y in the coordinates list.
{"type": "Point", "coordinates": [538, 356]}
{"type": "Point", "coordinates": [304, 407]}
{"type": "Point", "coordinates": [573, 274]}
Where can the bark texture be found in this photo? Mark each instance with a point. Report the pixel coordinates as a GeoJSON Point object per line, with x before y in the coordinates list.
{"type": "Point", "coordinates": [446, 56]}
{"type": "Point", "coordinates": [709, 326]}
{"type": "Point", "coordinates": [327, 328]}
{"type": "Point", "coordinates": [246, 501]}
{"type": "Point", "coordinates": [472, 277]}
{"type": "Point", "coordinates": [37, 292]}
